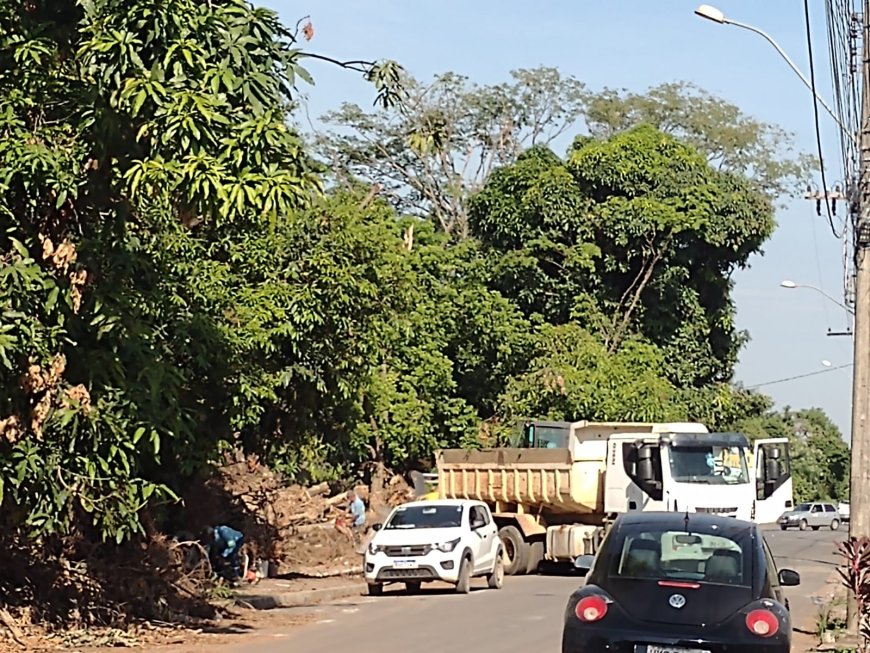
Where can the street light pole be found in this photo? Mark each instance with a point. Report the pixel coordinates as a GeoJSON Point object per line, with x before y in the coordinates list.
{"type": "Point", "coordinates": [791, 285]}
{"type": "Point", "coordinates": [859, 523]}
{"type": "Point", "coordinates": [859, 491]}
{"type": "Point", "coordinates": [711, 13]}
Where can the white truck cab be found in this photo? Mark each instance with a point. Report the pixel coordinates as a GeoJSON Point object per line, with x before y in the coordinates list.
{"type": "Point", "coordinates": [425, 541]}
{"type": "Point", "coordinates": [699, 472]}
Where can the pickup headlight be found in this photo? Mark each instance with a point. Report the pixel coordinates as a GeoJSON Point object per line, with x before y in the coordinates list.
{"type": "Point", "coordinates": [375, 548]}
{"type": "Point", "coordinates": [447, 547]}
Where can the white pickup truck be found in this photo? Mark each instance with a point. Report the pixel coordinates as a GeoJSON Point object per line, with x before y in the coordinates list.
{"type": "Point", "coordinates": [426, 541]}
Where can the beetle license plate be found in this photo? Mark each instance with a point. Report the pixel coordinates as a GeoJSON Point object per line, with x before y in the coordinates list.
{"type": "Point", "coordinates": [410, 564]}
{"type": "Point", "coordinates": [655, 648]}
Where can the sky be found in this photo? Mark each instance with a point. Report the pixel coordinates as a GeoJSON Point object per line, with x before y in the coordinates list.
{"type": "Point", "coordinates": [635, 44]}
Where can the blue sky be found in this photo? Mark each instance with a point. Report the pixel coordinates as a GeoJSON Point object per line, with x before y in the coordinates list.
{"type": "Point", "coordinates": [635, 44]}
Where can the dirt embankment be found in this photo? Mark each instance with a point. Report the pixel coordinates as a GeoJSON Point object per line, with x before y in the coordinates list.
{"type": "Point", "coordinates": [78, 591]}
{"type": "Point", "coordinates": [290, 526]}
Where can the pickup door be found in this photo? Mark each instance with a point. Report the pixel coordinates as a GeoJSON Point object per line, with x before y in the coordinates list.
{"type": "Point", "coordinates": [484, 539]}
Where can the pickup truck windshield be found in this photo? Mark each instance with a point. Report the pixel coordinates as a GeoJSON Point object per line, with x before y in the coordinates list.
{"type": "Point", "coordinates": [425, 517]}
{"type": "Point", "coordinates": [709, 465]}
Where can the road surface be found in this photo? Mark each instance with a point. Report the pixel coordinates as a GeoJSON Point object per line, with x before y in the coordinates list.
{"type": "Point", "coordinates": [525, 615]}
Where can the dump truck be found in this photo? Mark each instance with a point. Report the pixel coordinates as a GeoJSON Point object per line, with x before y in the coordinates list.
{"type": "Point", "coordinates": [555, 492]}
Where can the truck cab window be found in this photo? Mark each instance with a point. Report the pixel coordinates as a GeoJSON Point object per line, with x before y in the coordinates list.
{"type": "Point", "coordinates": [709, 465]}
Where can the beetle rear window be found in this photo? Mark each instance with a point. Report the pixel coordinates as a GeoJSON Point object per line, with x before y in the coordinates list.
{"type": "Point", "coordinates": [722, 558]}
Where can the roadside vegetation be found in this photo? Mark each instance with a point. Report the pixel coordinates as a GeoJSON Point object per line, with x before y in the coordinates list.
{"type": "Point", "coordinates": [185, 275]}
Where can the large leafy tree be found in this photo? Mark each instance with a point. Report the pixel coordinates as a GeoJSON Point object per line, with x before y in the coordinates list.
{"type": "Point", "coordinates": [633, 234]}
{"type": "Point", "coordinates": [730, 140]}
{"type": "Point", "coordinates": [145, 148]}
{"type": "Point", "coordinates": [430, 152]}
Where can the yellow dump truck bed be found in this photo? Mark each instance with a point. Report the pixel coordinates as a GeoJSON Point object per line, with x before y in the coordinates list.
{"type": "Point", "coordinates": [547, 480]}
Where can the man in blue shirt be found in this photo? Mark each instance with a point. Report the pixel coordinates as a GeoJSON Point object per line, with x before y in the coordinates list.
{"type": "Point", "coordinates": [224, 544]}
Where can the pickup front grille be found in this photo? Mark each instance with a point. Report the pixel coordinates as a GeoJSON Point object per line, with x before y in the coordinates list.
{"type": "Point", "coordinates": [407, 551]}
{"type": "Point", "coordinates": [423, 573]}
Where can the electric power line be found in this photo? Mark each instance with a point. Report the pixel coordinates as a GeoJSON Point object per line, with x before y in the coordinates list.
{"type": "Point", "coordinates": [816, 119]}
{"type": "Point", "coordinates": [799, 376]}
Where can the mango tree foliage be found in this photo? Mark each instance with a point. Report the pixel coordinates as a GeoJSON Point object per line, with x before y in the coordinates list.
{"type": "Point", "coordinates": [731, 141]}
{"type": "Point", "coordinates": [141, 144]}
{"type": "Point", "coordinates": [573, 377]}
{"type": "Point", "coordinates": [429, 152]}
{"type": "Point", "coordinates": [634, 234]}
{"type": "Point", "coordinates": [536, 224]}
{"type": "Point", "coordinates": [672, 230]}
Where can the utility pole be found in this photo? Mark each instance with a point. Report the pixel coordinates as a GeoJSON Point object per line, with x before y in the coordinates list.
{"type": "Point", "coordinates": [859, 523]}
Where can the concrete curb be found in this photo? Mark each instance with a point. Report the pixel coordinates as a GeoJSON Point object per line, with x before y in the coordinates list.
{"type": "Point", "coordinates": [299, 599]}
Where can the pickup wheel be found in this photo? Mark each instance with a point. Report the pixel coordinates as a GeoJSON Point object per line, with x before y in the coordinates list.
{"type": "Point", "coordinates": [516, 551]}
{"type": "Point", "coordinates": [495, 580]}
{"type": "Point", "coordinates": [376, 589]}
{"type": "Point", "coordinates": [413, 587]}
{"type": "Point", "coordinates": [463, 585]}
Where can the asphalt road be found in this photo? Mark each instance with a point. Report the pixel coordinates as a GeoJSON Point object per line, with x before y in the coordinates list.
{"type": "Point", "coordinates": [525, 615]}
{"type": "Point", "coordinates": [814, 556]}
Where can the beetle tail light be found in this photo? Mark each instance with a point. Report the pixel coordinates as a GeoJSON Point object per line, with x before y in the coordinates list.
{"type": "Point", "coordinates": [762, 623]}
{"type": "Point", "coordinates": [590, 609]}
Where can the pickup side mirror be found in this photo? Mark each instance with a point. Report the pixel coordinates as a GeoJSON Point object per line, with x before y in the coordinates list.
{"type": "Point", "coordinates": [789, 578]}
{"type": "Point", "coordinates": [377, 527]}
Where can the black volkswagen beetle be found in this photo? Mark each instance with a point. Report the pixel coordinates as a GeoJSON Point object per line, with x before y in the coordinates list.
{"type": "Point", "coordinates": [681, 583]}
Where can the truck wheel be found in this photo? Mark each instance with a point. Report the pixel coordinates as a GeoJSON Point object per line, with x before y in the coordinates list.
{"type": "Point", "coordinates": [516, 551]}
{"type": "Point", "coordinates": [496, 579]}
{"type": "Point", "coordinates": [803, 524]}
{"type": "Point", "coordinates": [463, 586]}
{"type": "Point", "coordinates": [536, 556]}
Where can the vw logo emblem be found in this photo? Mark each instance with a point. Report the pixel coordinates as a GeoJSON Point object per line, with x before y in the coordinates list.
{"type": "Point", "coordinates": [677, 601]}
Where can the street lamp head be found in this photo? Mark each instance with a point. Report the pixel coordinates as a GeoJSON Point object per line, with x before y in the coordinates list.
{"type": "Point", "coordinates": [826, 363]}
{"type": "Point", "coordinates": [711, 13]}
{"type": "Point", "coordinates": [788, 284]}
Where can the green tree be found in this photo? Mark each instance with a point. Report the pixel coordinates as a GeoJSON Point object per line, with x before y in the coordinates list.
{"type": "Point", "coordinates": [429, 153]}
{"type": "Point", "coordinates": [731, 141]}
{"type": "Point", "coordinates": [141, 144]}
{"type": "Point", "coordinates": [572, 377]}
{"type": "Point", "coordinates": [634, 234]}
